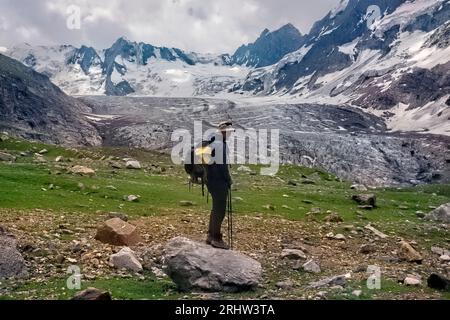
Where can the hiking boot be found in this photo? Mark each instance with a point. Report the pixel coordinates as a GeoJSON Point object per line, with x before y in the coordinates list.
{"type": "Point", "coordinates": [219, 243]}
{"type": "Point", "coordinates": [209, 239]}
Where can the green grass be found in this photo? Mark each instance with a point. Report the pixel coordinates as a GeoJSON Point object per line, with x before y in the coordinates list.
{"type": "Point", "coordinates": [120, 289]}
{"type": "Point", "coordinates": [389, 289]}
{"type": "Point", "coordinates": [23, 183]}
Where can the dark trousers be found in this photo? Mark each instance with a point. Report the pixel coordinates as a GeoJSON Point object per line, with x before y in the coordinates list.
{"type": "Point", "coordinates": [219, 195]}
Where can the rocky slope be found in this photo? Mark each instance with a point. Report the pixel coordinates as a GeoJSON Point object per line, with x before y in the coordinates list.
{"type": "Point", "coordinates": [32, 107]}
{"type": "Point", "coordinates": [269, 48]}
{"type": "Point", "coordinates": [397, 63]}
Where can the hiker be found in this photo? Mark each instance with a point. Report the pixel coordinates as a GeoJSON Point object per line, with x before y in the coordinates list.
{"type": "Point", "coordinates": [219, 184]}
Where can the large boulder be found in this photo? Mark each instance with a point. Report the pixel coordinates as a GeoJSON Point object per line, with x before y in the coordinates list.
{"type": "Point", "coordinates": [117, 232]}
{"type": "Point", "coordinates": [194, 265]}
{"type": "Point", "coordinates": [12, 264]}
{"type": "Point", "coordinates": [441, 214]}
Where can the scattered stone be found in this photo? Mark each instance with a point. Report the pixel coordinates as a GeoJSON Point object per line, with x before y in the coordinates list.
{"type": "Point", "coordinates": [333, 217]}
{"type": "Point", "coordinates": [120, 215]}
{"type": "Point", "coordinates": [92, 294]}
{"type": "Point", "coordinates": [365, 207]}
{"type": "Point", "coordinates": [440, 251]}
{"type": "Point", "coordinates": [118, 232]}
{"type": "Point", "coordinates": [285, 285]}
{"type": "Point", "coordinates": [378, 233]}
{"type": "Point", "coordinates": [365, 199]}
{"type": "Point", "coordinates": [12, 264]}
{"type": "Point", "coordinates": [7, 157]}
{"type": "Point", "coordinates": [125, 259]}
{"type": "Point", "coordinates": [359, 187]}
{"type": "Point", "coordinates": [307, 201]}
{"type": "Point", "coordinates": [408, 253]}
{"type": "Point", "coordinates": [244, 169]}
{"type": "Point", "coordinates": [133, 164]}
{"type": "Point", "coordinates": [403, 207]}
{"type": "Point", "coordinates": [81, 170]}
{"type": "Point", "coordinates": [367, 248]}
{"type": "Point", "coordinates": [194, 265]}
{"type": "Point", "coordinates": [445, 258]}
{"type": "Point", "coordinates": [308, 181]}
{"type": "Point", "coordinates": [131, 198]}
{"type": "Point", "coordinates": [158, 272]}
{"type": "Point", "coordinates": [292, 183]}
{"type": "Point", "coordinates": [287, 207]}
{"type": "Point", "coordinates": [43, 151]}
{"type": "Point", "coordinates": [293, 254]}
{"type": "Point", "coordinates": [412, 280]}
{"type": "Point", "coordinates": [420, 214]}
{"type": "Point", "coordinates": [311, 266]}
{"type": "Point", "coordinates": [357, 293]}
{"type": "Point", "coordinates": [238, 199]}
{"type": "Point", "coordinates": [269, 207]}
{"type": "Point", "coordinates": [441, 214]}
{"type": "Point", "coordinates": [115, 165]}
{"type": "Point", "coordinates": [439, 282]}
{"type": "Point", "coordinates": [340, 280]}
{"type": "Point", "coordinates": [111, 188]}
{"type": "Point", "coordinates": [184, 203]}
{"type": "Point", "coordinates": [339, 236]}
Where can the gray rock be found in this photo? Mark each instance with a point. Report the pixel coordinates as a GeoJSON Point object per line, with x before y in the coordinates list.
{"type": "Point", "coordinates": [441, 214]}
{"type": "Point", "coordinates": [359, 187]}
{"type": "Point", "coordinates": [7, 157]}
{"type": "Point", "coordinates": [125, 259]}
{"type": "Point", "coordinates": [340, 280]}
{"type": "Point", "coordinates": [367, 248]}
{"type": "Point", "coordinates": [365, 199]}
{"type": "Point", "coordinates": [293, 254]}
{"type": "Point", "coordinates": [194, 265]}
{"type": "Point", "coordinates": [133, 164]}
{"type": "Point", "coordinates": [311, 266]}
{"type": "Point", "coordinates": [185, 203]}
{"type": "Point", "coordinates": [131, 198]}
{"type": "Point", "coordinates": [285, 285]}
{"type": "Point", "coordinates": [92, 294]}
{"type": "Point", "coordinates": [120, 215]}
{"type": "Point", "coordinates": [12, 264]}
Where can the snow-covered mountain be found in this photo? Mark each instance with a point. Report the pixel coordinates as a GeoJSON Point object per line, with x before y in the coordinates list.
{"type": "Point", "coordinates": [129, 67]}
{"type": "Point", "coordinates": [397, 67]}
{"type": "Point", "coordinates": [389, 57]}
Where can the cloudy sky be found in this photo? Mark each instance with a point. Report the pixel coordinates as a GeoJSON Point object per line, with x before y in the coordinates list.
{"type": "Point", "coordinates": [215, 26]}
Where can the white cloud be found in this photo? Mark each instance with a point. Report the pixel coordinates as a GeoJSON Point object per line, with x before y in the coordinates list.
{"type": "Point", "coordinates": [195, 25]}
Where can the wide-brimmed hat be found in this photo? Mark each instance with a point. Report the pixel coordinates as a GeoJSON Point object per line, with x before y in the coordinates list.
{"type": "Point", "coordinates": [226, 126]}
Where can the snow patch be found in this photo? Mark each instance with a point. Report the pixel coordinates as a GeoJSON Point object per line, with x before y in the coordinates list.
{"type": "Point", "coordinates": [339, 8]}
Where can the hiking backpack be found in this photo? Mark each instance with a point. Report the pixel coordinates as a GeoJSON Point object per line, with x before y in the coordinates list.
{"type": "Point", "coordinates": [196, 168]}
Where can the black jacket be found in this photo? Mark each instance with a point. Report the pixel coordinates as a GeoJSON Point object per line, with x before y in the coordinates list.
{"type": "Point", "coordinates": [218, 174]}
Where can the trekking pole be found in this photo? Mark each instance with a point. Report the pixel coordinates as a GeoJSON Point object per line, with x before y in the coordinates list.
{"type": "Point", "coordinates": [230, 219]}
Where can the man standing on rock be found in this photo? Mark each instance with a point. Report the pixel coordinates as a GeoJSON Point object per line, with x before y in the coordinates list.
{"type": "Point", "coordinates": [219, 184]}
